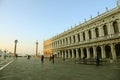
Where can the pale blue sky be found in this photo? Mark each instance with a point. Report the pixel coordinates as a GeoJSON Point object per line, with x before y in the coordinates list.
{"type": "Point", "coordinates": [31, 20]}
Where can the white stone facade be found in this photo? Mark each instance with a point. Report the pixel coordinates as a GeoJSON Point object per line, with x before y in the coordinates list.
{"type": "Point", "coordinates": [98, 36]}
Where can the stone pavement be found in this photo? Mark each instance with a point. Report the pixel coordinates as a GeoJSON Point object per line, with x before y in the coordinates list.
{"type": "Point", "coordinates": [5, 62]}
{"type": "Point", "coordinates": [23, 69]}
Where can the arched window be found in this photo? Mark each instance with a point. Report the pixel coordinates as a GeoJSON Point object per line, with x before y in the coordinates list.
{"type": "Point", "coordinates": [96, 31]}
{"type": "Point", "coordinates": [73, 38]}
{"type": "Point", "coordinates": [89, 33]}
{"type": "Point", "coordinates": [66, 40]}
{"type": "Point", "coordinates": [78, 35]}
{"type": "Point", "coordinates": [115, 27]}
{"type": "Point", "coordinates": [83, 36]}
{"type": "Point", "coordinates": [105, 30]}
{"type": "Point", "coordinates": [70, 39]}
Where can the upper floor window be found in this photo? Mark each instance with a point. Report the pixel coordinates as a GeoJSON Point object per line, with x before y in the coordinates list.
{"type": "Point", "coordinates": [89, 33]}
{"type": "Point", "coordinates": [78, 35]}
{"type": "Point", "coordinates": [66, 40]}
{"type": "Point", "coordinates": [70, 39]}
{"type": "Point", "coordinates": [105, 30]}
{"type": "Point", "coordinates": [83, 36]}
{"type": "Point", "coordinates": [97, 32]}
{"type": "Point", "coordinates": [115, 27]}
{"type": "Point", "coordinates": [73, 38]}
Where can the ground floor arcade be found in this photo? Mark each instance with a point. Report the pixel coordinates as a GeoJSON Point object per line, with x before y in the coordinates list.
{"type": "Point", "coordinates": [110, 50]}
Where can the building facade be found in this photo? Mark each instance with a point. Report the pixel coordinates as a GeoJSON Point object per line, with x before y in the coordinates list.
{"type": "Point", "coordinates": [100, 36]}
{"type": "Point", "coordinates": [47, 48]}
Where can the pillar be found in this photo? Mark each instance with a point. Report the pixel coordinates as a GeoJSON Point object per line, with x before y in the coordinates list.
{"type": "Point", "coordinates": [118, 21]}
{"type": "Point", "coordinates": [16, 41]}
{"type": "Point", "coordinates": [86, 35]}
{"type": "Point", "coordinates": [110, 28]}
{"type": "Point", "coordinates": [68, 53]}
{"type": "Point", "coordinates": [81, 52]}
{"type": "Point", "coordinates": [77, 56]}
{"type": "Point", "coordinates": [62, 54]}
{"type": "Point", "coordinates": [101, 31]}
{"type": "Point", "coordinates": [93, 33]}
{"type": "Point", "coordinates": [94, 52]}
{"type": "Point", "coordinates": [37, 49]}
{"type": "Point", "coordinates": [88, 53]}
{"type": "Point", "coordinates": [72, 53]}
{"type": "Point", "coordinates": [76, 38]}
{"type": "Point", "coordinates": [65, 54]}
{"type": "Point", "coordinates": [103, 51]}
{"type": "Point", "coordinates": [113, 52]}
{"type": "Point", "coordinates": [81, 37]}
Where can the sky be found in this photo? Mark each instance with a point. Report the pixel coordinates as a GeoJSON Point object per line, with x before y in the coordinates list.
{"type": "Point", "coordinates": [29, 21]}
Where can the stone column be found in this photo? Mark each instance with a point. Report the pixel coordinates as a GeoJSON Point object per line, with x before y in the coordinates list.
{"type": "Point", "coordinates": [62, 41]}
{"type": "Point", "coordinates": [103, 51]}
{"type": "Point", "coordinates": [62, 54]}
{"type": "Point", "coordinates": [88, 53]}
{"type": "Point", "coordinates": [57, 54]}
{"type": "Point", "coordinates": [118, 21]}
{"type": "Point", "coordinates": [36, 48]}
{"type": "Point", "coordinates": [76, 38]}
{"type": "Point", "coordinates": [65, 54]}
{"type": "Point", "coordinates": [72, 53]}
{"type": "Point", "coordinates": [93, 33]}
{"type": "Point", "coordinates": [16, 41]}
{"type": "Point", "coordinates": [94, 52]}
{"type": "Point", "coordinates": [77, 56]}
{"type": "Point", "coordinates": [110, 28]}
{"type": "Point", "coordinates": [101, 31]}
{"type": "Point", "coordinates": [81, 52]}
{"type": "Point", "coordinates": [86, 35]}
{"type": "Point", "coordinates": [113, 52]}
{"type": "Point", "coordinates": [68, 53]}
{"type": "Point", "coordinates": [81, 37]}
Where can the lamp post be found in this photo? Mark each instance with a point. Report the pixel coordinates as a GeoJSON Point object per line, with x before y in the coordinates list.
{"type": "Point", "coordinates": [16, 41]}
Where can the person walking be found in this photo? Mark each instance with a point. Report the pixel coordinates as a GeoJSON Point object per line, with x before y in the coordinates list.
{"type": "Point", "coordinates": [97, 61]}
{"type": "Point", "coordinates": [53, 59]}
{"type": "Point", "coordinates": [84, 60]}
{"type": "Point", "coordinates": [42, 58]}
{"type": "Point", "coordinates": [28, 57]}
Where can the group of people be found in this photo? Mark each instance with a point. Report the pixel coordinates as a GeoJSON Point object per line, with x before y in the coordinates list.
{"type": "Point", "coordinates": [97, 60]}
{"type": "Point", "coordinates": [51, 58]}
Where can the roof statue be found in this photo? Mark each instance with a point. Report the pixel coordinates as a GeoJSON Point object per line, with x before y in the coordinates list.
{"type": "Point", "coordinates": [118, 3]}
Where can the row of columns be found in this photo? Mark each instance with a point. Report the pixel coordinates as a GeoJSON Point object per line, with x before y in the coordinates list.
{"type": "Point", "coordinates": [67, 40]}
{"type": "Point", "coordinates": [74, 53]}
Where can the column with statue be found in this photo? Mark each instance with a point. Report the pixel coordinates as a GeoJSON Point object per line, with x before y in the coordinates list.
{"type": "Point", "coordinates": [15, 54]}
{"type": "Point", "coordinates": [36, 49]}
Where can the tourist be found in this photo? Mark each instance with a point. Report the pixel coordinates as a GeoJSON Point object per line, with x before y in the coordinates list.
{"type": "Point", "coordinates": [84, 61]}
{"type": "Point", "coordinates": [97, 61]}
{"type": "Point", "coordinates": [53, 59]}
{"type": "Point", "coordinates": [42, 58]}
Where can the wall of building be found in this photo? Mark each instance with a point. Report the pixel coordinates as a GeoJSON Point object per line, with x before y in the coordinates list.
{"type": "Point", "coordinates": [99, 36]}
{"type": "Point", "coordinates": [47, 48]}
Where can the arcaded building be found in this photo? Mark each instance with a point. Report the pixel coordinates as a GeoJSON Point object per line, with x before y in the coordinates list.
{"type": "Point", "coordinates": [47, 48]}
{"type": "Point", "coordinates": [99, 36]}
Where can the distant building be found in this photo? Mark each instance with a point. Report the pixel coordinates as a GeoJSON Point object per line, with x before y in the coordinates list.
{"type": "Point", "coordinates": [99, 36]}
{"type": "Point", "coordinates": [47, 48]}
